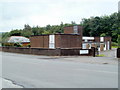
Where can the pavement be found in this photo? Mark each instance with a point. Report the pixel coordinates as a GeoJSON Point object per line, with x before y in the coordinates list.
{"type": "Point", "coordinates": [32, 71]}
{"type": "Point", "coordinates": [109, 53]}
{"type": "Point", "coordinates": [4, 83]}
{"type": "Point", "coordinates": [7, 84]}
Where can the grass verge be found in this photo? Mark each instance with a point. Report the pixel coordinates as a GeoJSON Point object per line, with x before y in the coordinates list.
{"type": "Point", "coordinates": [101, 55]}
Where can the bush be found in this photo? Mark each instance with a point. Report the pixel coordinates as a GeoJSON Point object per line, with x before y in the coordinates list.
{"type": "Point", "coordinates": [7, 44]}
{"type": "Point", "coordinates": [114, 44]}
{"type": "Point", "coordinates": [28, 45]}
{"type": "Point", "coordinates": [118, 41]}
{"type": "Point", "coordinates": [17, 45]}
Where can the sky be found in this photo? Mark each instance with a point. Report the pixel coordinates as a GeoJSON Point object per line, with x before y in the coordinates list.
{"type": "Point", "coordinates": [16, 13]}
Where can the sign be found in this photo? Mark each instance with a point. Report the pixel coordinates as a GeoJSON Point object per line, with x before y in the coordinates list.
{"type": "Point", "coordinates": [83, 46]}
{"type": "Point", "coordinates": [52, 41]}
{"type": "Point", "coordinates": [101, 39]}
{"type": "Point", "coordinates": [84, 51]}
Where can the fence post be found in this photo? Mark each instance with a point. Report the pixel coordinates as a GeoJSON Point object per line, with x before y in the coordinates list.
{"type": "Point", "coordinates": [93, 51]}
{"type": "Point", "coordinates": [118, 52]}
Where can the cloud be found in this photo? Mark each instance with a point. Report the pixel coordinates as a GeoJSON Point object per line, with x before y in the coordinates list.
{"type": "Point", "coordinates": [16, 13]}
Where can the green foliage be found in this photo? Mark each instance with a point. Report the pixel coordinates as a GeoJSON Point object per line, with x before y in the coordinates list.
{"type": "Point", "coordinates": [114, 44]}
{"type": "Point", "coordinates": [15, 32]}
{"type": "Point", "coordinates": [118, 39]}
{"type": "Point", "coordinates": [8, 44]}
{"type": "Point", "coordinates": [102, 26]}
{"type": "Point", "coordinates": [103, 35]}
{"type": "Point", "coordinates": [101, 55]}
{"type": "Point", "coordinates": [27, 31]}
{"type": "Point", "coordinates": [28, 45]}
{"type": "Point", "coordinates": [93, 26]}
{"type": "Point", "coordinates": [37, 30]}
{"type": "Point", "coordinates": [17, 45]}
{"type": "Point", "coordinates": [46, 32]}
{"type": "Point", "coordinates": [5, 36]}
{"type": "Point", "coordinates": [12, 44]}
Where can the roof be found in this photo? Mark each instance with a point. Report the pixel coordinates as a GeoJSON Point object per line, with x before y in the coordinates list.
{"type": "Point", "coordinates": [15, 39]}
{"type": "Point", "coordinates": [53, 34]}
{"type": "Point", "coordinates": [88, 38]}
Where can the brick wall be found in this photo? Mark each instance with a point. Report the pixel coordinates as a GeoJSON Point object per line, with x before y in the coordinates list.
{"type": "Point", "coordinates": [49, 52]}
{"type": "Point", "coordinates": [70, 30]}
{"type": "Point", "coordinates": [61, 41]}
{"type": "Point", "coordinates": [41, 41]}
{"type": "Point", "coordinates": [68, 41]}
{"type": "Point", "coordinates": [97, 39]}
{"type": "Point", "coordinates": [58, 41]}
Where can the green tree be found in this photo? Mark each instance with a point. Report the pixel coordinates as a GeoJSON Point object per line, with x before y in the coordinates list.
{"type": "Point", "coordinates": [107, 25]}
{"type": "Point", "coordinates": [118, 41]}
{"type": "Point", "coordinates": [27, 31]}
{"type": "Point", "coordinates": [15, 32]}
{"type": "Point", "coordinates": [103, 35]}
{"type": "Point", "coordinates": [5, 36]}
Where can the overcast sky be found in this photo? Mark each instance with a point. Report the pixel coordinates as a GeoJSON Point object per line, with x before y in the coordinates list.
{"type": "Point", "coordinates": [15, 13]}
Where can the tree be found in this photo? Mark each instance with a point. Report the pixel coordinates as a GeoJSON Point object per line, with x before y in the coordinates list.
{"type": "Point", "coordinates": [118, 41]}
{"type": "Point", "coordinates": [27, 31]}
{"type": "Point", "coordinates": [104, 25]}
{"type": "Point", "coordinates": [15, 33]}
{"type": "Point", "coordinates": [5, 36]}
{"type": "Point", "coordinates": [108, 25]}
{"type": "Point", "coordinates": [103, 35]}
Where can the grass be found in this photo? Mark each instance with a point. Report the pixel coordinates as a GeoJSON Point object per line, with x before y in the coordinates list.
{"type": "Point", "coordinates": [101, 55]}
{"type": "Point", "coordinates": [114, 46]}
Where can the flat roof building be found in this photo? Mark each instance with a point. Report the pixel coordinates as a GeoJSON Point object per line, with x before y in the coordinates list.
{"type": "Point", "coordinates": [56, 41]}
{"type": "Point", "coordinates": [72, 38]}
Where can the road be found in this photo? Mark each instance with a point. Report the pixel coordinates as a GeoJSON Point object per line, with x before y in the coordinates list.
{"type": "Point", "coordinates": [31, 71]}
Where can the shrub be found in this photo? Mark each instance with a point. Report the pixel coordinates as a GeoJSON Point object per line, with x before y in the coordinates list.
{"type": "Point", "coordinates": [17, 45]}
{"type": "Point", "coordinates": [118, 41]}
{"type": "Point", "coordinates": [7, 44]}
{"type": "Point", "coordinates": [114, 44]}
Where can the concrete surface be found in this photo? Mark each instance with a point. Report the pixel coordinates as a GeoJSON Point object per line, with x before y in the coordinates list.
{"type": "Point", "coordinates": [109, 53]}
{"type": "Point", "coordinates": [31, 71]}
{"type": "Point", "coordinates": [7, 84]}
{"type": "Point", "coordinates": [3, 82]}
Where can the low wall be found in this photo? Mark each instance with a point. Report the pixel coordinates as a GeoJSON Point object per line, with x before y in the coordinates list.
{"type": "Point", "coordinates": [66, 52]}
{"type": "Point", "coordinates": [118, 53]}
{"type": "Point", "coordinates": [49, 52]}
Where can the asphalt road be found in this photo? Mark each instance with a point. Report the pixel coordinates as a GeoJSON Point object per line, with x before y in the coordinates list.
{"type": "Point", "coordinates": [32, 71]}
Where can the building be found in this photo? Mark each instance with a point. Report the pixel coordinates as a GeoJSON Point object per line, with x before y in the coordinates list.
{"type": "Point", "coordinates": [56, 41]}
{"type": "Point", "coordinates": [72, 38]}
{"type": "Point", "coordinates": [102, 43]}
{"type": "Point", "coordinates": [19, 39]}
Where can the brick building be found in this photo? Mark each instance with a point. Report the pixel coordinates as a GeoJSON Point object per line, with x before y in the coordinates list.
{"type": "Point", "coordinates": [72, 38]}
